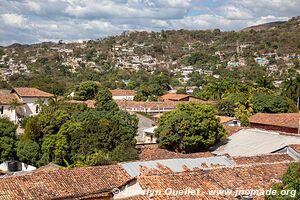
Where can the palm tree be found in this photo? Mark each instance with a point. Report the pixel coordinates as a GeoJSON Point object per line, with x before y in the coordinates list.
{"type": "Point", "coordinates": [291, 89]}
{"type": "Point", "coordinates": [14, 104]}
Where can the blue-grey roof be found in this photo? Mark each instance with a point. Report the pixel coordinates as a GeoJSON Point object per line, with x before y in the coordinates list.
{"type": "Point", "coordinates": [176, 165]}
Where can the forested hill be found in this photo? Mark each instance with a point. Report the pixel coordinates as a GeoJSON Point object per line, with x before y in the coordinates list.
{"type": "Point", "coordinates": [57, 66]}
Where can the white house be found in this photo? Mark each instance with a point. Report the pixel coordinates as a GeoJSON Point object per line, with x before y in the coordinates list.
{"type": "Point", "coordinates": [123, 94]}
{"type": "Point", "coordinates": [30, 97]}
{"type": "Point", "coordinates": [6, 108]}
{"type": "Point", "coordinates": [22, 102]}
{"type": "Point", "coordinates": [15, 166]}
{"type": "Point", "coordinates": [148, 135]}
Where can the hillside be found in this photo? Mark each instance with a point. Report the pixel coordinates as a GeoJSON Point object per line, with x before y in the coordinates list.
{"type": "Point", "coordinates": [265, 26]}
{"type": "Point", "coordinates": [135, 56]}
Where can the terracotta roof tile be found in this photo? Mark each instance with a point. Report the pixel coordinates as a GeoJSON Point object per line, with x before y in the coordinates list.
{"type": "Point", "coordinates": [61, 184]}
{"type": "Point", "coordinates": [232, 129]}
{"type": "Point", "coordinates": [152, 152]}
{"type": "Point", "coordinates": [119, 92]}
{"type": "Point", "coordinates": [290, 120]}
{"type": "Point", "coordinates": [174, 97]}
{"type": "Point", "coordinates": [260, 177]}
{"type": "Point", "coordinates": [296, 147]}
{"type": "Point", "coordinates": [224, 119]}
{"type": "Point", "coordinates": [269, 158]}
{"type": "Point", "coordinates": [31, 92]}
{"type": "Point", "coordinates": [6, 99]}
{"type": "Point", "coordinates": [153, 105]}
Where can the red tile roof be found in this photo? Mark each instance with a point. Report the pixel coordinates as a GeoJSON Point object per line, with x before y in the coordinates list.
{"type": "Point", "coordinates": [153, 105]}
{"type": "Point", "coordinates": [78, 183]}
{"type": "Point", "coordinates": [90, 103]}
{"type": "Point", "coordinates": [119, 92]}
{"type": "Point", "coordinates": [31, 92]}
{"type": "Point", "coordinates": [290, 120]}
{"type": "Point", "coordinates": [255, 177]}
{"type": "Point", "coordinates": [268, 158]}
{"type": "Point", "coordinates": [174, 97]}
{"type": "Point", "coordinates": [296, 147]}
{"type": "Point", "coordinates": [6, 99]}
{"type": "Point", "coordinates": [153, 152]}
{"type": "Point", "coordinates": [232, 129]}
{"type": "Point", "coordinates": [224, 119]}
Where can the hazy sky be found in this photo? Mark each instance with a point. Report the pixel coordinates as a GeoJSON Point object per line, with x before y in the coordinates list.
{"type": "Point", "coordinates": [29, 21]}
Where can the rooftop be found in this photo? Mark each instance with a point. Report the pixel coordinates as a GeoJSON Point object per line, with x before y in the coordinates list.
{"type": "Point", "coordinates": [252, 142]}
{"type": "Point", "coordinates": [290, 120]}
{"type": "Point", "coordinates": [6, 99]}
{"type": "Point", "coordinates": [255, 177]}
{"type": "Point", "coordinates": [152, 152]}
{"type": "Point", "coordinates": [174, 97]}
{"type": "Point", "coordinates": [31, 92]}
{"type": "Point", "coordinates": [75, 183]}
{"type": "Point", "coordinates": [175, 164]}
{"type": "Point", "coordinates": [119, 92]}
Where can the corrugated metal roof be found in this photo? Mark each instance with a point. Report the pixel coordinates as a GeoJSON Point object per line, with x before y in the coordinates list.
{"type": "Point", "coordinates": [252, 142]}
{"type": "Point", "coordinates": [150, 130]}
{"type": "Point", "coordinates": [176, 165]}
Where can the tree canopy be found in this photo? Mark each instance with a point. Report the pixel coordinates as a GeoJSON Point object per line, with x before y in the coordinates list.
{"type": "Point", "coordinates": [190, 128]}
{"type": "Point", "coordinates": [83, 137]}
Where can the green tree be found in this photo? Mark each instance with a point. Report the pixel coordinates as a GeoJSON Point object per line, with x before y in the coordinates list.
{"type": "Point", "coordinates": [86, 90]}
{"type": "Point", "coordinates": [191, 127]}
{"type": "Point", "coordinates": [181, 91]}
{"type": "Point", "coordinates": [8, 140]}
{"type": "Point", "coordinates": [226, 108]}
{"type": "Point", "coordinates": [290, 182]}
{"type": "Point", "coordinates": [14, 104]}
{"type": "Point", "coordinates": [273, 104]}
{"type": "Point", "coordinates": [28, 151]}
{"type": "Point", "coordinates": [291, 89]}
{"type": "Point", "coordinates": [124, 152]}
{"type": "Point", "coordinates": [104, 100]}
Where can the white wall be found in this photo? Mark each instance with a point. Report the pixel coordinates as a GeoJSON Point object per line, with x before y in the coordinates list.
{"type": "Point", "coordinates": [147, 138]}
{"type": "Point", "coordinates": [25, 167]}
{"type": "Point", "coordinates": [29, 108]}
{"type": "Point", "coordinates": [7, 112]}
{"type": "Point", "coordinates": [129, 98]}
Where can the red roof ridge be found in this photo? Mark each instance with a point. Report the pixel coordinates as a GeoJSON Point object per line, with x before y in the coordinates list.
{"type": "Point", "coordinates": [30, 92]}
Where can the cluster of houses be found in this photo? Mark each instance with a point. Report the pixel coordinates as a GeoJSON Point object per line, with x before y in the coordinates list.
{"type": "Point", "coordinates": [262, 151]}
{"type": "Point", "coordinates": [131, 61]}
{"type": "Point", "coordinates": [9, 67]}
{"type": "Point", "coordinates": [244, 171]}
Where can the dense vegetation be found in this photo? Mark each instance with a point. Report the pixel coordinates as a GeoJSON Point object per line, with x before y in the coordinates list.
{"type": "Point", "coordinates": [71, 134]}
{"type": "Point", "coordinates": [290, 186]}
{"type": "Point", "coordinates": [191, 127]}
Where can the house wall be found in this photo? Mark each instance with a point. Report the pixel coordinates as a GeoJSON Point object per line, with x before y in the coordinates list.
{"type": "Point", "coordinates": [129, 98]}
{"type": "Point", "coordinates": [7, 112]}
{"type": "Point", "coordinates": [233, 123]}
{"type": "Point", "coordinates": [274, 128]}
{"type": "Point", "coordinates": [147, 138]}
{"type": "Point", "coordinates": [29, 107]}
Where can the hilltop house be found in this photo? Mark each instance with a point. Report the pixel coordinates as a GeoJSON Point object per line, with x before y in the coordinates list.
{"type": "Point", "coordinates": [21, 102]}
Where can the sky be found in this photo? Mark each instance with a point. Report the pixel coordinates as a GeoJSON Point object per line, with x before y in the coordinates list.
{"type": "Point", "coordinates": [29, 21]}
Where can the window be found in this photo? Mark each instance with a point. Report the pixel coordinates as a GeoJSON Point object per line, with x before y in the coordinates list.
{"type": "Point", "coordinates": [37, 109]}
{"type": "Point", "coordinates": [1, 110]}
